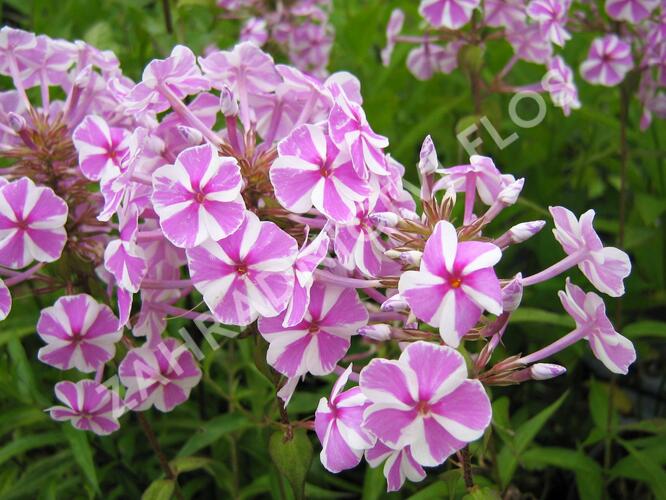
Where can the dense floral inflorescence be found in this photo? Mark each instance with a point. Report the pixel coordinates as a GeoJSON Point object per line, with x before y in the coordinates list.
{"type": "Point", "coordinates": [267, 191]}
{"type": "Point", "coordinates": [629, 37]}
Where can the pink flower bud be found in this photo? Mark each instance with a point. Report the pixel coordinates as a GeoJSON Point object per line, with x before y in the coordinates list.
{"type": "Point", "coordinates": [395, 304]}
{"type": "Point", "coordinates": [428, 157]}
{"type": "Point", "coordinates": [512, 294]}
{"type": "Point", "coordinates": [545, 371]}
{"type": "Point", "coordinates": [228, 104]}
{"type": "Point", "coordinates": [191, 135]}
{"type": "Point", "coordinates": [16, 122]}
{"type": "Point", "coordinates": [83, 78]}
{"type": "Point", "coordinates": [509, 195]}
{"type": "Point", "coordinates": [387, 219]}
{"type": "Point", "coordinates": [379, 332]}
{"type": "Point", "coordinates": [412, 257]}
{"type": "Point", "coordinates": [405, 213]}
{"type": "Point", "coordinates": [524, 231]}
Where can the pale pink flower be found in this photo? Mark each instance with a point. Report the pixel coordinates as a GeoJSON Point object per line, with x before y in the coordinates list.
{"type": "Point", "coordinates": [160, 376]}
{"type": "Point", "coordinates": [632, 11]}
{"type": "Point", "coordinates": [393, 29]}
{"type": "Point", "coordinates": [504, 13]}
{"type": "Point", "coordinates": [32, 220]}
{"type": "Point", "coordinates": [560, 84]}
{"type": "Point", "coordinates": [605, 267]}
{"type": "Point", "coordinates": [424, 400]}
{"type": "Point", "coordinates": [608, 61]}
{"type": "Point", "coordinates": [338, 426]}
{"type": "Point", "coordinates": [316, 344]}
{"type": "Point", "coordinates": [529, 44]}
{"type": "Point", "coordinates": [101, 147]}
{"type": "Point", "coordinates": [311, 170]}
{"type": "Point", "coordinates": [79, 333]}
{"type": "Point", "coordinates": [428, 58]}
{"type": "Point", "coordinates": [451, 14]}
{"type": "Point", "coordinates": [455, 283]}
{"type": "Point", "coordinates": [399, 465]}
{"type": "Point", "coordinates": [89, 406]}
{"type": "Point", "coordinates": [198, 197]}
{"type": "Point", "coordinates": [123, 258]}
{"type": "Point", "coordinates": [254, 31]}
{"type": "Point", "coordinates": [589, 312]}
{"type": "Point", "coordinates": [247, 274]}
{"type": "Point", "coordinates": [5, 300]}
{"type": "Point", "coordinates": [552, 18]}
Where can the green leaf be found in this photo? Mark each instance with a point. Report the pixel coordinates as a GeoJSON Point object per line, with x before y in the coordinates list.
{"type": "Point", "coordinates": [508, 457]}
{"type": "Point", "coordinates": [532, 315]}
{"type": "Point", "coordinates": [589, 479]}
{"type": "Point", "coordinates": [187, 464]}
{"type": "Point", "coordinates": [212, 431]}
{"type": "Point", "coordinates": [292, 458]}
{"type": "Point", "coordinates": [652, 425]}
{"type": "Point", "coordinates": [655, 474]}
{"type": "Point", "coordinates": [374, 483]}
{"type": "Point", "coordinates": [13, 418]}
{"type": "Point", "coordinates": [487, 493]}
{"type": "Point", "coordinates": [599, 407]}
{"type": "Point", "coordinates": [162, 489]}
{"type": "Point", "coordinates": [642, 329]}
{"type": "Point", "coordinates": [29, 442]}
{"type": "Point", "coordinates": [78, 442]}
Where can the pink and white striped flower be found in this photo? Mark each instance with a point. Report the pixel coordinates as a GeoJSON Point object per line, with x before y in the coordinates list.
{"type": "Point", "coordinates": [32, 220]}
{"type": "Point", "coordinates": [552, 18]}
{"type": "Point", "coordinates": [338, 426]}
{"type": "Point", "coordinates": [160, 376]}
{"type": "Point", "coordinates": [358, 245]}
{"type": "Point", "coordinates": [317, 343]}
{"type": "Point", "coordinates": [89, 406]}
{"type": "Point", "coordinates": [311, 170]}
{"type": "Point", "coordinates": [589, 312]}
{"type": "Point", "coordinates": [177, 75]}
{"type": "Point", "coordinates": [123, 258]}
{"type": "Point", "coordinates": [198, 197]}
{"type": "Point", "coordinates": [351, 132]}
{"type": "Point", "coordinates": [451, 14]}
{"type": "Point", "coordinates": [455, 283]}
{"type": "Point", "coordinates": [632, 11]}
{"type": "Point", "coordinates": [101, 147]}
{"type": "Point", "coordinates": [424, 400]}
{"type": "Point", "coordinates": [504, 13]}
{"type": "Point", "coordinates": [605, 267]}
{"type": "Point", "coordinates": [5, 300]}
{"type": "Point", "coordinates": [560, 84]}
{"type": "Point", "coordinates": [428, 58]}
{"type": "Point", "coordinates": [79, 333]}
{"type": "Point", "coordinates": [393, 29]}
{"type": "Point", "coordinates": [608, 61]}
{"type": "Point", "coordinates": [307, 260]}
{"type": "Point", "coordinates": [399, 465]}
{"type": "Point", "coordinates": [246, 274]}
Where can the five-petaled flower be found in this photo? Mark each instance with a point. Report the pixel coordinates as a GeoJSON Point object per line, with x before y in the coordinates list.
{"type": "Point", "coordinates": [455, 283]}
{"type": "Point", "coordinates": [101, 147]}
{"type": "Point", "coordinates": [608, 61]}
{"type": "Point", "coordinates": [451, 14]}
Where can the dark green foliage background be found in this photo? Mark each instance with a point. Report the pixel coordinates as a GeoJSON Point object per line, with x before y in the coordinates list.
{"type": "Point", "coordinates": [585, 434]}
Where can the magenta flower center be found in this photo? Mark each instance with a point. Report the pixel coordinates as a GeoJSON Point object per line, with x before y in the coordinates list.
{"type": "Point", "coordinates": [313, 329]}
{"type": "Point", "coordinates": [199, 197]}
{"type": "Point", "coordinates": [241, 269]}
{"type": "Point", "coordinates": [455, 282]}
{"type": "Point", "coordinates": [423, 408]}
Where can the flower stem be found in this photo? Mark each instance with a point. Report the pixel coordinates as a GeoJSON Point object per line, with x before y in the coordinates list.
{"type": "Point", "coordinates": [334, 279]}
{"type": "Point", "coordinates": [558, 268]}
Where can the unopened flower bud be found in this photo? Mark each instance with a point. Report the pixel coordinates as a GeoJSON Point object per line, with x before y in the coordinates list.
{"type": "Point", "coordinates": [228, 104]}
{"type": "Point", "coordinates": [450, 196]}
{"type": "Point", "coordinates": [509, 195]}
{"type": "Point", "coordinates": [83, 78]}
{"type": "Point", "coordinates": [191, 135]}
{"type": "Point", "coordinates": [524, 231]}
{"type": "Point", "coordinates": [395, 304]}
{"type": "Point", "coordinates": [16, 122]}
{"type": "Point", "coordinates": [392, 254]}
{"type": "Point", "coordinates": [545, 371]}
{"type": "Point", "coordinates": [379, 332]}
{"type": "Point", "coordinates": [411, 258]}
{"type": "Point", "coordinates": [512, 294]}
{"type": "Point", "coordinates": [405, 213]}
{"type": "Point", "coordinates": [428, 157]}
{"type": "Point", "coordinates": [387, 219]}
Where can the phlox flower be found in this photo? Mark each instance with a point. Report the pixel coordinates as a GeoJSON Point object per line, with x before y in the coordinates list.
{"type": "Point", "coordinates": [123, 258]}
{"type": "Point", "coordinates": [317, 343]}
{"type": "Point", "coordinates": [605, 267]}
{"type": "Point", "coordinates": [451, 14]}
{"type": "Point", "coordinates": [399, 465]}
{"type": "Point", "coordinates": [5, 300]}
{"type": "Point", "coordinates": [424, 400]}
{"type": "Point", "coordinates": [246, 274]}
{"type": "Point", "coordinates": [160, 376]}
{"type": "Point", "coordinates": [428, 58]}
{"type": "Point", "coordinates": [101, 147]}
{"type": "Point", "coordinates": [32, 220]}
{"type": "Point", "coordinates": [393, 29]}
{"type": "Point", "coordinates": [529, 44]}
{"type": "Point", "coordinates": [454, 284]}
{"type": "Point", "coordinates": [480, 175]}
{"type": "Point", "coordinates": [79, 333]}
{"type": "Point", "coordinates": [350, 131]}
{"type": "Point", "coordinates": [560, 84]}
{"type": "Point", "coordinates": [307, 260]}
{"type": "Point", "coordinates": [589, 311]}
{"type": "Point", "coordinates": [254, 30]}
{"type": "Point", "coordinates": [311, 170]}
{"type": "Point", "coordinates": [198, 197]}
{"type": "Point", "coordinates": [632, 11]}
{"type": "Point", "coordinates": [552, 18]}
{"type": "Point", "coordinates": [89, 406]}
{"type": "Point", "coordinates": [504, 13]}
{"type": "Point", "coordinates": [608, 61]}
{"type": "Point", "coordinates": [177, 75]}
{"type": "Point", "coordinates": [338, 426]}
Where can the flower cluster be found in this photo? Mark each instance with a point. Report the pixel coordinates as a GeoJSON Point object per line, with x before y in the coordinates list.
{"type": "Point", "coordinates": [630, 36]}
{"type": "Point", "coordinates": [300, 29]}
{"type": "Point", "coordinates": [268, 192]}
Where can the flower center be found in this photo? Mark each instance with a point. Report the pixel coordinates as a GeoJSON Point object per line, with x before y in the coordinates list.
{"type": "Point", "coordinates": [199, 197]}
{"type": "Point", "coordinates": [423, 408]}
{"type": "Point", "coordinates": [455, 282]}
{"type": "Point", "coordinates": [22, 224]}
{"type": "Point", "coordinates": [313, 329]}
{"type": "Point", "coordinates": [241, 269]}
{"type": "Point", "coordinates": [323, 171]}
